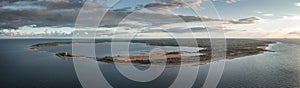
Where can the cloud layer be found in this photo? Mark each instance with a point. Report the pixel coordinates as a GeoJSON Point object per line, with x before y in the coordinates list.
{"type": "Point", "coordinates": [63, 13]}
{"type": "Point", "coordinates": [173, 4]}
{"type": "Point", "coordinates": [57, 17]}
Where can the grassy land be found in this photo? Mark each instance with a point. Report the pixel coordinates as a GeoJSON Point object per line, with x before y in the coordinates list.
{"type": "Point", "coordinates": [234, 48]}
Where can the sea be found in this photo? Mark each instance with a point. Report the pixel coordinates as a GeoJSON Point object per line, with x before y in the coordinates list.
{"type": "Point", "coordinates": [24, 68]}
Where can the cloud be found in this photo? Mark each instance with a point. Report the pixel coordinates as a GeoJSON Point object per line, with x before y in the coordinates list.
{"type": "Point", "coordinates": [64, 12]}
{"type": "Point", "coordinates": [47, 4]}
{"type": "Point", "coordinates": [291, 17]}
{"type": "Point", "coordinates": [268, 15]}
{"type": "Point", "coordinates": [227, 1]}
{"type": "Point", "coordinates": [22, 5]}
{"type": "Point", "coordinates": [67, 17]}
{"type": "Point", "coordinates": [297, 4]}
{"type": "Point", "coordinates": [18, 18]}
{"type": "Point", "coordinates": [19, 13]}
{"type": "Point", "coordinates": [263, 13]}
{"type": "Point", "coordinates": [60, 5]}
{"type": "Point", "coordinates": [61, 15]}
{"type": "Point", "coordinates": [16, 7]}
{"type": "Point", "coordinates": [295, 32]}
{"type": "Point", "coordinates": [32, 30]}
{"type": "Point", "coordinates": [123, 9]}
{"type": "Point", "coordinates": [177, 30]}
{"type": "Point", "coordinates": [141, 19]}
{"type": "Point", "coordinates": [256, 11]}
{"type": "Point", "coordinates": [249, 20]}
{"type": "Point", "coordinates": [231, 1]}
{"type": "Point", "coordinates": [171, 4]}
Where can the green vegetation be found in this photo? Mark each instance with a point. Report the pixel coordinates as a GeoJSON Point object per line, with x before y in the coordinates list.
{"type": "Point", "coordinates": [235, 48]}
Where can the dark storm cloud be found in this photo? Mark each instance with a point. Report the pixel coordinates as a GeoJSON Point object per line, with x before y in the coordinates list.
{"type": "Point", "coordinates": [19, 18]}
{"type": "Point", "coordinates": [179, 30]}
{"type": "Point", "coordinates": [49, 4]}
{"type": "Point", "coordinates": [63, 13]}
{"type": "Point", "coordinates": [173, 4]}
{"type": "Point", "coordinates": [249, 20]}
{"type": "Point", "coordinates": [60, 5]}
{"type": "Point", "coordinates": [18, 13]}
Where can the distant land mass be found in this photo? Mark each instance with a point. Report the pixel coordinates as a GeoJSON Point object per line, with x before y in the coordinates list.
{"type": "Point", "coordinates": [235, 48]}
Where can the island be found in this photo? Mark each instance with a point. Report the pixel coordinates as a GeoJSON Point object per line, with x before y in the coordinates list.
{"type": "Point", "coordinates": [33, 48]}
{"type": "Point", "coordinates": [68, 55]}
{"type": "Point", "coordinates": [235, 48]}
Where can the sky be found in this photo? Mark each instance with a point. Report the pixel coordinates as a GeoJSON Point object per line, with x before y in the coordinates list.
{"type": "Point", "coordinates": [152, 18]}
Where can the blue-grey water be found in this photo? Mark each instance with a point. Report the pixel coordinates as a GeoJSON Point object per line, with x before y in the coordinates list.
{"type": "Point", "coordinates": [21, 67]}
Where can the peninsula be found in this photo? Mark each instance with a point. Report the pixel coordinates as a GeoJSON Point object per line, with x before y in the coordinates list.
{"type": "Point", "coordinates": [235, 48]}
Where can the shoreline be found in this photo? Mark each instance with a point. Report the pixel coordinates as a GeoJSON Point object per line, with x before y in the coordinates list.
{"type": "Point", "coordinates": [173, 58]}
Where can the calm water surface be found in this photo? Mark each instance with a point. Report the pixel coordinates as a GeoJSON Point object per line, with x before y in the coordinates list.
{"type": "Point", "coordinates": [21, 67]}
